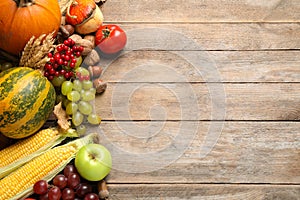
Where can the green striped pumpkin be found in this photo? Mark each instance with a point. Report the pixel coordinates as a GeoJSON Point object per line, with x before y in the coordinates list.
{"type": "Point", "coordinates": [26, 100]}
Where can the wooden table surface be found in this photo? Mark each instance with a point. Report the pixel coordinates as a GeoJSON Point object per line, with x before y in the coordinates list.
{"type": "Point", "coordinates": [204, 102]}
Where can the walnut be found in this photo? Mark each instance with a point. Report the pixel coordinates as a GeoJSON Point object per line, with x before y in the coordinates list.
{"type": "Point", "coordinates": [88, 46]}
{"type": "Point", "coordinates": [92, 58]}
{"type": "Point", "coordinates": [90, 38]}
{"type": "Point", "coordinates": [75, 37]}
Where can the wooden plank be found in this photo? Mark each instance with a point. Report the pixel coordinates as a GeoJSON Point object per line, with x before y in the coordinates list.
{"type": "Point", "coordinates": [199, 101]}
{"type": "Point", "coordinates": [216, 36]}
{"type": "Point", "coordinates": [193, 152]}
{"type": "Point", "coordinates": [202, 11]}
{"type": "Point", "coordinates": [202, 192]}
{"type": "Point", "coordinates": [232, 66]}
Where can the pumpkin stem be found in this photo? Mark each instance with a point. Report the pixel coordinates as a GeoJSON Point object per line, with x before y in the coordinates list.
{"type": "Point", "coordinates": [25, 3]}
{"type": "Point", "coordinates": [68, 10]}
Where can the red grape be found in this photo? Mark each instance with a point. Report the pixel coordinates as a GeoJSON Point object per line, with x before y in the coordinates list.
{"type": "Point", "coordinates": [54, 193]}
{"type": "Point", "coordinates": [40, 187]}
{"type": "Point", "coordinates": [83, 189]}
{"type": "Point", "coordinates": [43, 197]}
{"type": "Point", "coordinates": [60, 181]}
{"type": "Point", "coordinates": [69, 169]}
{"type": "Point", "coordinates": [73, 180]}
{"type": "Point", "coordinates": [68, 194]}
{"type": "Point", "coordinates": [91, 196]}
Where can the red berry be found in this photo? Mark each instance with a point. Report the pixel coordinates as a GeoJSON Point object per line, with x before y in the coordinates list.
{"type": "Point", "coordinates": [72, 65]}
{"type": "Point", "coordinates": [77, 53]}
{"type": "Point", "coordinates": [60, 62]}
{"type": "Point", "coordinates": [50, 78]}
{"type": "Point", "coordinates": [73, 60]}
{"type": "Point", "coordinates": [52, 71]}
{"type": "Point", "coordinates": [57, 73]}
{"type": "Point", "coordinates": [80, 48]}
{"type": "Point", "coordinates": [66, 47]}
{"type": "Point", "coordinates": [67, 57]}
{"type": "Point", "coordinates": [86, 77]}
{"type": "Point", "coordinates": [71, 74]}
{"type": "Point", "coordinates": [59, 48]}
{"type": "Point", "coordinates": [65, 63]}
{"type": "Point", "coordinates": [55, 66]}
{"type": "Point", "coordinates": [48, 66]}
{"type": "Point", "coordinates": [52, 60]}
{"type": "Point", "coordinates": [50, 55]}
{"type": "Point", "coordinates": [75, 48]}
{"type": "Point", "coordinates": [72, 55]}
{"type": "Point", "coordinates": [62, 72]}
{"type": "Point", "coordinates": [67, 75]}
{"type": "Point", "coordinates": [69, 52]}
{"type": "Point", "coordinates": [46, 74]}
{"type": "Point", "coordinates": [57, 56]}
{"type": "Point", "coordinates": [67, 43]}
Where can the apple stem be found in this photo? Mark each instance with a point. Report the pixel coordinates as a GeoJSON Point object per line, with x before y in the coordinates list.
{"type": "Point", "coordinates": [102, 189]}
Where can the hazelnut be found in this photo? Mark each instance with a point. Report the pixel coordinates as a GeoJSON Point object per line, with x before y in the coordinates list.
{"type": "Point", "coordinates": [67, 30]}
{"type": "Point", "coordinates": [95, 71]}
{"type": "Point", "coordinates": [100, 85]}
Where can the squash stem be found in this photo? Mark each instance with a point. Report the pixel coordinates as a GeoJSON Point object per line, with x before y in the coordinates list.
{"type": "Point", "coordinates": [25, 3]}
{"type": "Point", "coordinates": [68, 9]}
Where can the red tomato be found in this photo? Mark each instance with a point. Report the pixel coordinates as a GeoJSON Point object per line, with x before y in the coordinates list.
{"type": "Point", "coordinates": [110, 38]}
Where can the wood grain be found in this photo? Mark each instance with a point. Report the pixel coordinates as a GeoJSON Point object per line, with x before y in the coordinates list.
{"type": "Point", "coordinates": [202, 192]}
{"type": "Point", "coordinates": [199, 101]}
{"type": "Point", "coordinates": [191, 11]}
{"type": "Point", "coordinates": [213, 36]}
{"type": "Point", "coordinates": [243, 152]}
{"type": "Point", "coordinates": [232, 66]}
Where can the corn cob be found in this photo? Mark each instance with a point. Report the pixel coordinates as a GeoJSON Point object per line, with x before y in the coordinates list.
{"type": "Point", "coordinates": [24, 150]}
{"type": "Point", "coordinates": [19, 183]}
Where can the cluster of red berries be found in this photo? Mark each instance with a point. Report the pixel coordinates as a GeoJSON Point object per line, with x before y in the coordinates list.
{"type": "Point", "coordinates": [63, 60]}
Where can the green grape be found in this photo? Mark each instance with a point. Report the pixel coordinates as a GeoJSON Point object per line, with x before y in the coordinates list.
{"type": "Point", "coordinates": [93, 90]}
{"type": "Point", "coordinates": [83, 71]}
{"type": "Point", "coordinates": [77, 85]}
{"type": "Point", "coordinates": [73, 96]}
{"type": "Point", "coordinates": [66, 87]}
{"type": "Point", "coordinates": [77, 118]}
{"type": "Point", "coordinates": [85, 108]}
{"type": "Point", "coordinates": [78, 62]}
{"type": "Point", "coordinates": [71, 108]}
{"type": "Point", "coordinates": [87, 84]}
{"type": "Point", "coordinates": [94, 119]}
{"type": "Point", "coordinates": [87, 95]}
{"type": "Point", "coordinates": [81, 129]}
{"type": "Point", "coordinates": [58, 80]}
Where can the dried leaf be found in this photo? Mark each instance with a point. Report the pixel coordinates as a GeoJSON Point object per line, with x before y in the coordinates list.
{"type": "Point", "coordinates": [62, 117]}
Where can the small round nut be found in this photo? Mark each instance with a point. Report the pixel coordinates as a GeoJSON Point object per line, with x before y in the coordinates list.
{"type": "Point", "coordinates": [95, 71]}
{"type": "Point", "coordinates": [100, 85]}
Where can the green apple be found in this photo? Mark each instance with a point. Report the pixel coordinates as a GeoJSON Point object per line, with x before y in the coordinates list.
{"type": "Point", "coordinates": [93, 162]}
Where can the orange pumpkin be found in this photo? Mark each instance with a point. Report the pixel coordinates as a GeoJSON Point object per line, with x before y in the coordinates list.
{"type": "Point", "coordinates": [85, 15]}
{"type": "Point", "coordinates": [22, 19]}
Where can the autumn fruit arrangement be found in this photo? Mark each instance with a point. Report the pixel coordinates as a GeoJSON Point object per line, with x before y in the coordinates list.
{"type": "Point", "coordinates": [49, 67]}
